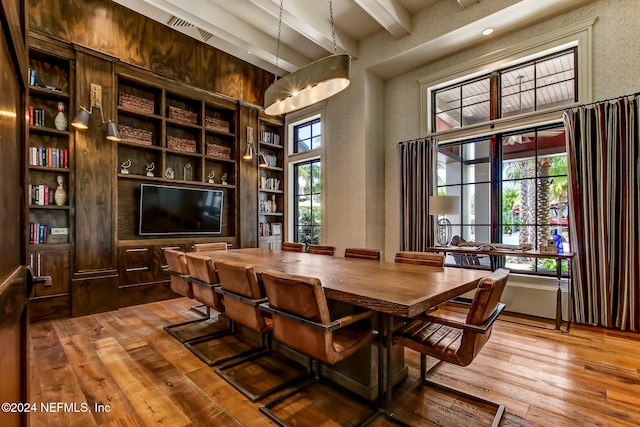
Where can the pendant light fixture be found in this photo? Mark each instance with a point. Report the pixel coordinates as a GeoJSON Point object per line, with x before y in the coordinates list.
{"type": "Point", "coordinates": [310, 84]}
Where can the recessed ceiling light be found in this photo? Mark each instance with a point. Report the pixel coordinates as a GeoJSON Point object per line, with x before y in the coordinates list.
{"type": "Point", "coordinates": [487, 31]}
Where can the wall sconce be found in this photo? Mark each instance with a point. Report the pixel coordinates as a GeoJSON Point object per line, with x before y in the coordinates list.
{"type": "Point", "coordinates": [81, 120]}
{"type": "Point", "coordinates": [248, 152]}
{"type": "Point", "coordinates": [262, 160]}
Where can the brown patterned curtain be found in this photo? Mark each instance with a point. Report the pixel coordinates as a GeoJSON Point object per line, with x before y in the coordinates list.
{"type": "Point", "coordinates": [418, 169]}
{"type": "Point", "coordinates": [604, 185]}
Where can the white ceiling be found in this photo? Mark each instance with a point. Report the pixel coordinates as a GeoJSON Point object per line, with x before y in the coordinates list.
{"type": "Point", "coordinates": [248, 29]}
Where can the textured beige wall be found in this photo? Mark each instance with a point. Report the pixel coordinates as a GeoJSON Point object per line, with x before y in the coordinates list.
{"type": "Point", "coordinates": [366, 121]}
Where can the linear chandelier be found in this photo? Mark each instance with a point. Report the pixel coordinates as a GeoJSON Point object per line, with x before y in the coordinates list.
{"type": "Point", "coordinates": [310, 84]}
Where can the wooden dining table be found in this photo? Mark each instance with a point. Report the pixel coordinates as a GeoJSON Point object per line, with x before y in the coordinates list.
{"type": "Point", "coordinates": [393, 290]}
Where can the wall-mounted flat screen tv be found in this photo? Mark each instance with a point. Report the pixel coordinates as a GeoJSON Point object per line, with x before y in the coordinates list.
{"type": "Point", "coordinates": [179, 210]}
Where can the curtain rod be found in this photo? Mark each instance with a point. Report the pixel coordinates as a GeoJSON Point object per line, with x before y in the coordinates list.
{"type": "Point", "coordinates": [606, 100]}
{"type": "Point", "coordinates": [491, 125]}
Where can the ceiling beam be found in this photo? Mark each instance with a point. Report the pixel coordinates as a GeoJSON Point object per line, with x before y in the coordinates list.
{"type": "Point", "coordinates": [311, 21]}
{"type": "Point", "coordinates": [390, 14]}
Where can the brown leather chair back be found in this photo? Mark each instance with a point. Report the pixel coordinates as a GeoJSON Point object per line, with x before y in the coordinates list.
{"type": "Point", "coordinates": [304, 298]}
{"type": "Point", "coordinates": [201, 268]}
{"type": "Point", "coordinates": [216, 246]}
{"type": "Point", "coordinates": [431, 259]}
{"type": "Point", "coordinates": [363, 253]}
{"type": "Point", "coordinates": [485, 301]}
{"type": "Point", "coordinates": [322, 249]}
{"type": "Point", "coordinates": [240, 279]}
{"type": "Point", "coordinates": [293, 247]}
{"type": "Point", "coordinates": [178, 264]}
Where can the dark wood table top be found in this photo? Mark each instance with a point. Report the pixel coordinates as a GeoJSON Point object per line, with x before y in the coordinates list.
{"type": "Point", "coordinates": [399, 289]}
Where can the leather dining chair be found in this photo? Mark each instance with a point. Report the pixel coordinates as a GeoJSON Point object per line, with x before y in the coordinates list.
{"type": "Point", "coordinates": [454, 341]}
{"type": "Point", "coordinates": [204, 281]}
{"type": "Point", "coordinates": [198, 247]}
{"type": "Point", "coordinates": [363, 253]}
{"type": "Point", "coordinates": [179, 276]}
{"type": "Point", "coordinates": [293, 247]}
{"type": "Point", "coordinates": [242, 298]}
{"type": "Point", "coordinates": [215, 246]}
{"type": "Point", "coordinates": [321, 249]}
{"type": "Point", "coordinates": [301, 321]}
{"type": "Point", "coordinates": [430, 259]}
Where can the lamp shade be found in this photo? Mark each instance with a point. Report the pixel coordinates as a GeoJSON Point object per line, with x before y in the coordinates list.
{"type": "Point", "coordinates": [443, 205]}
{"type": "Point", "coordinates": [248, 153]}
{"type": "Point", "coordinates": [262, 160]}
{"type": "Point", "coordinates": [81, 120]}
{"type": "Point", "coordinates": [112, 132]}
{"type": "Point", "coordinates": [310, 84]}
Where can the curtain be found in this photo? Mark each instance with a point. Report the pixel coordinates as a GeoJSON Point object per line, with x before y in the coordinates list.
{"type": "Point", "coordinates": [604, 184]}
{"type": "Point", "coordinates": [418, 169]}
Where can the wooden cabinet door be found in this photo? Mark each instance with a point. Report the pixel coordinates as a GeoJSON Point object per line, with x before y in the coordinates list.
{"type": "Point", "coordinates": [54, 263]}
{"type": "Point", "coordinates": [14, 288]}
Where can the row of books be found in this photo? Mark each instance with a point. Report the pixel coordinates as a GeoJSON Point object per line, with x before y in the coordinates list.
{"type": "Point", "coordinates": [42, 233]}
{"type": "Point", "coordinates": [270, 137]}
{"type": "Point", "coordinates": [269, 183]}
{"type": "Point", "coordinates": [271, 160]}
{"type": "Point", "coordinates": [36, 116]}
{"type": "Point", "coordinates": [41, 195]}
{"type": "Point", "coordinates": [49, 156]}
{"type": "Point", "coordinates": [38, 233]}
{"type": "Point", "coordinates": [269, 229]}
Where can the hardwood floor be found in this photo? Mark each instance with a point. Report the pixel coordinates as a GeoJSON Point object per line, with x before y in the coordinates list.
{"type": "Point", "coordinates": [124, 359]}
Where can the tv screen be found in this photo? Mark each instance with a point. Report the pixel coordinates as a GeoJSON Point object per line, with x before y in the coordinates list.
{"type": "Point", "coordinates": [179, 210]}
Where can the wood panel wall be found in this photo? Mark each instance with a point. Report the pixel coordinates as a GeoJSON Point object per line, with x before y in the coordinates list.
{"type": "Point", "coordinates": [14, 308]}
{"type": "Point", "coordinates": [132, 38]}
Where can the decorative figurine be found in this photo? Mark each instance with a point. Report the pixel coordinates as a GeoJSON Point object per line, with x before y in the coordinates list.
{"type": "Point", "coordinates": [124, 167]}
{"type": "Point", "coordinates": [60, 121]}
{"type": "Point", "coordinates": [186, 172]}
{"type": "Point", "coordinates": [150, 167]}
{"type": "Point", "coordinates": [224, 179]}
{"type": "Point", "coordinates": [210, 177]}
{"type": "Point", "coordinates": [169, 173]}
{"type": "Point", "coordinates": [60, 195]}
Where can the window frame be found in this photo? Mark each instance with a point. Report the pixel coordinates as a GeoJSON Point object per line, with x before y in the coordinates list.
{"type": "Point", "coordinates": [313, 113]}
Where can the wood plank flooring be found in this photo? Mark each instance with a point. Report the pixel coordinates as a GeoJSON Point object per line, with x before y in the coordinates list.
{"type": "Point", "coordinates": [124, 359]}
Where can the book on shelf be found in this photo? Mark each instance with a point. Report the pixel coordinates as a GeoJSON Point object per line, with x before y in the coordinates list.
{"type": "Point", "coordinates": [48, 156]}
{"type": "Point", "coordinates": [38, 233]}
{"type": "Point", "coordinates": [269, 137]}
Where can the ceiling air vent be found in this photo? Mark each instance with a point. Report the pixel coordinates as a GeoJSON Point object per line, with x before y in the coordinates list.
{"type": "Point", "coordinates": [205, 34]}
{"type": "Point", "coordinates": [176, 22]}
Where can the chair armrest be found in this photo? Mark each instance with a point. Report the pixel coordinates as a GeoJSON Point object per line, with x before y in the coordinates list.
{"type": "Point", "coordinates": [180, 275]}
{"type": "Point", "coordinates": [352, 318]}
{"type": "Point", "coordinates": [203, 284]}
{"type": "Point", "coordinates": [250, 301]}
{"type": "Point", "coordinates": [483, 328]}
{"type": "Point", "coordinates": [321, 326]}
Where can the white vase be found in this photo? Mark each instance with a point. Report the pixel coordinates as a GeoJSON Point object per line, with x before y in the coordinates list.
{"type": "Point", "coordinates": [60, 195]}
{"type": "Point", "coordinates": [60, 120]}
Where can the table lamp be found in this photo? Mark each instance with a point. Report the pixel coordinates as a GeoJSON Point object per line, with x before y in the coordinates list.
{"type": "Point", "coordinates": [443, 205]}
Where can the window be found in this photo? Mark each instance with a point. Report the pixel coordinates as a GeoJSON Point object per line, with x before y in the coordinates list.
{"type": "Point", "coordinates": [307, 136]}
{"type": "Point", "coordinates": [512, 189]}
{"type": "Point", "coordinates": [535, 85]}
{"type": "Point", "coordinates": [307, 202]}
{"type": "Point", "coordinates": [305, 179]}
{"type": "Point", "coordinates": [512, 178]}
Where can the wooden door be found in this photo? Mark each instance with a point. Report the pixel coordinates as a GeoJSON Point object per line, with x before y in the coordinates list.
{"type": "Point", "coordinates": [14, 289]}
